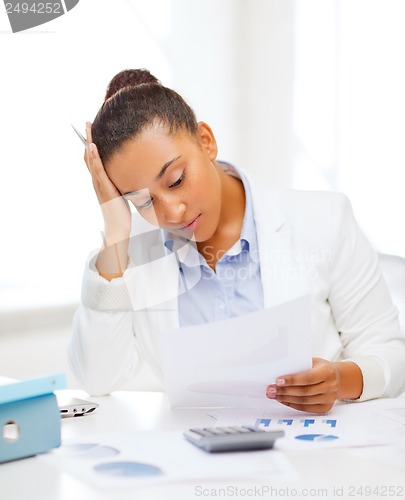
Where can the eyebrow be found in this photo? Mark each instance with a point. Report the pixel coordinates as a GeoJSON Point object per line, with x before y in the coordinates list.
{"type": "Point", "coordinates": [159, 175]}
{"type": "Point", "coordinates": [165, 167]}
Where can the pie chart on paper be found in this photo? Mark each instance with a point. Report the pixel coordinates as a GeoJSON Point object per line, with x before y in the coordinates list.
{"type": "Point", "coordinates": [316, 437]}
{"type": "Point", "coordinates": [128, 469]}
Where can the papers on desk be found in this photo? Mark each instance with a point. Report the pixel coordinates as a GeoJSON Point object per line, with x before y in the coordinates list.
{"type": "Point", "coordinates": [347, 425]}
{"type": "Point", "coordinates": [230, 363]}
{"type": "Point", "coordinates": [140, 458]}
{"type": "Point", "coordinates": [390, 411]}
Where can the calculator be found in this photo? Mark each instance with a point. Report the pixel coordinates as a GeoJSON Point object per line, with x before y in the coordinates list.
{"type": "Point", "coordinates": [232, 438]}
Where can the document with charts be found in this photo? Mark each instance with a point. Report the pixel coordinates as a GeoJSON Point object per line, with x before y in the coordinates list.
{"type": "Point", "coordinates": [230, 363]}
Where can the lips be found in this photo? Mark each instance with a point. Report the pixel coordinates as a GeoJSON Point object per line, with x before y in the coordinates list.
{"type": "Point", "coordinates": [188, 225]}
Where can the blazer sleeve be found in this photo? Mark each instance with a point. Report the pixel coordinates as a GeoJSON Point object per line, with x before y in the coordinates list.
{"type": "Point", "coordinates": [363, 310]}
{"type": "Point", "coordinates": [103, 351]}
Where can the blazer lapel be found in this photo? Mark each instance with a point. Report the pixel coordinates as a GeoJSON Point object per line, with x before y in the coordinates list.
{"type": "Point", "coordinates": [280, 267]}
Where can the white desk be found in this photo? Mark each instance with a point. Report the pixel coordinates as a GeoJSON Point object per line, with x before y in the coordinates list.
{"type": "Point", "coordinates": [128, 411]}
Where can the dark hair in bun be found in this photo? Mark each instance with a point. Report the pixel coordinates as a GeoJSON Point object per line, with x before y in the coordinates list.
{"type": "Point", "coordinates": [136, 100]}
{"type": "Point", "coordinates": [129, 78]}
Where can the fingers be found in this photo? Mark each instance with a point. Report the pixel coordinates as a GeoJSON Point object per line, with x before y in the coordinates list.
{"type": "Point", "coordinates": [306, 382]}
{"type": "Point", "coordinates": [317, 403]}
{"type": "Point", "coordinates": [115, 209]}
{"type": "Point", "coordinates": [87, 151]}
{"type": "Point", "coordinates": [104, 188]}
{"type": "Point", "coordinates": [91, 156]}
{"type": "Point", "coordinates": [299, 390]}
{"type": "Point", "coordinates": [88, 133]}
{"type": "Point", "coordinates": [96, 166]}
{"type": "Point", "coordinates": [316, 408]}
{"type": "Point", "coordinates": [310, 377]}
{"type": "Point", "coordinates": [306, 400]}
{"type": "Point", "coordinates": [314, 390]}
{"type": "Point", "coordinates": [94, 163]}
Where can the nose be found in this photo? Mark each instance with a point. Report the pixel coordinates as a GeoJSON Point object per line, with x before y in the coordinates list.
{"type": "Point", "coordinates": [173, 212]}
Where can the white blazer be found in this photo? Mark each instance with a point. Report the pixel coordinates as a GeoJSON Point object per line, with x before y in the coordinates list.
{"type": "Point", "coordinates": [308, 241]}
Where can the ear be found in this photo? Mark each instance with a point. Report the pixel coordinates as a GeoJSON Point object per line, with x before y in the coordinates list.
{"type": "Point", "coordinates": [207, 140]}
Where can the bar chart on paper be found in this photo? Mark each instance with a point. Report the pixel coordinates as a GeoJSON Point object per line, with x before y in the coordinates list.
{"type": "Point", "coordinates": [299, 431]}
{"type": "Point", "coordinates": [263, 422]}
{"type": "Point", "coordinates": [347, 425]}
{"type": "Point", "coordinates": [303, 424]}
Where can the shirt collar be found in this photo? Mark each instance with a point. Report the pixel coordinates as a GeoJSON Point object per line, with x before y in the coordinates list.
{"type": "Point", "coordinates": [247, 239]}
{"type": "Point", "coordinates": [186, 250]}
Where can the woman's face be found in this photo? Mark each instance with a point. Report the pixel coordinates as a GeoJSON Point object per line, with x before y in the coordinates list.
{"type": "Point", "coordinates": [172, 180]}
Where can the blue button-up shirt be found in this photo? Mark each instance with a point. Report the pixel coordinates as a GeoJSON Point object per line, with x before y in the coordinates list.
{"type": "Point", "coordinates": [235, 287]}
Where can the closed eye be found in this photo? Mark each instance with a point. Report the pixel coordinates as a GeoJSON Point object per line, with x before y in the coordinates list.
{"type": "Point", "coordinates": [178, 182]}
{"type": "Point", "coordinates": [147, 204]}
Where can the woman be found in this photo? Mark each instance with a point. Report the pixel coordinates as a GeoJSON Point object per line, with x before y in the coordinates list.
{"type": "Point", "coordinates": [253, 247]}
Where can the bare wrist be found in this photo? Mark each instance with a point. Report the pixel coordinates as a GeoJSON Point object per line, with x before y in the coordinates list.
{"type": "Point", "coordinates": [350, 380]}
{"type": "Point", "coordinates": [112, 260]}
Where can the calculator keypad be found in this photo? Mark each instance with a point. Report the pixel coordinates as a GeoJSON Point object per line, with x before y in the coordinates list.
{"type": "Point", "coordinates": [232, 438]}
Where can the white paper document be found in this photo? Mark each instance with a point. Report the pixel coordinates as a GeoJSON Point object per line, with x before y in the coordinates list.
{"type": "Point", "coordinates": [230, 363]}
{"type": "Point", "coordinates": [140, 458]}
{"type": "Point", "coordinates": [346, 425]}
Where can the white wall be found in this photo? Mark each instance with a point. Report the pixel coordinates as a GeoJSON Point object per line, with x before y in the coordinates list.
{"type": "Point", "coordinates": [233, 61]}
{"type": "Point", "coordinates": [264, 71]}
{"type": "Point", "coordinates": [372, 117]}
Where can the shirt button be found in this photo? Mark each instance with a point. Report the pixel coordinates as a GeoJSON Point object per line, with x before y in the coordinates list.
{"type": "Point", "coordinates": [221, 305]}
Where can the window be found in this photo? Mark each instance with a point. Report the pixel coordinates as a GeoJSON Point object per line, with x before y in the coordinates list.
{"type": "Point", "coordinates": [52, 76]}
{"type": "Point", "coordinates": [349, 108]}
{"type": "Point", "coordinates": [55, 75]}
{"type": "Point", "coordinates": [345, 68]}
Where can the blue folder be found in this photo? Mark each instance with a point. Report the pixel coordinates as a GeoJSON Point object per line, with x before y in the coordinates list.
{"type": "Point", "coordinates": [29, 417]}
